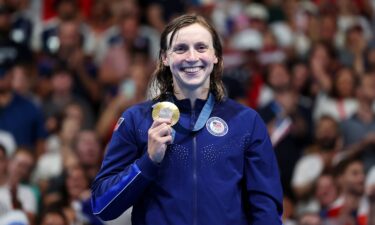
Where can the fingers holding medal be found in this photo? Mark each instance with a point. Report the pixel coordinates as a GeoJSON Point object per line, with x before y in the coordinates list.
{"type": "Point", "coordinates": [166, 110]}
{"type": "Point", "coordinates": [165, 115]}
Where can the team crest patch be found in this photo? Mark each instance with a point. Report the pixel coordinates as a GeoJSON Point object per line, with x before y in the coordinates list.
{"type": "Point", "coordinates": [119, 122]}
{"type": "Point", "coordinates": [217, 126]}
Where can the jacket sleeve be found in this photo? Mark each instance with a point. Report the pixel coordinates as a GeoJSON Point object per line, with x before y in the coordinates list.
{"type": "Point", "coordinates": [263, 186]}
{"type": "Point", "coordinates": [125, 172]}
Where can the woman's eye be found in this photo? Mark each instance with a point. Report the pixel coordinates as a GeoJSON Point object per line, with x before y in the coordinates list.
{"type": "Point", "coordinates": [202, 48]}
{"type": "Point", "coordinates": [179, 49]}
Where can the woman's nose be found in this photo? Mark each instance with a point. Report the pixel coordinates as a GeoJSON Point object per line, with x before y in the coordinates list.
{"type": "Point", "coordinates": [192, 56]}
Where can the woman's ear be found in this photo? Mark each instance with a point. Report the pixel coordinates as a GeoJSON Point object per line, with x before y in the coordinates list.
{"type": "Point", "coordinates": [165, 60]}
{"type": "Point", "coordinates": [216, 60]}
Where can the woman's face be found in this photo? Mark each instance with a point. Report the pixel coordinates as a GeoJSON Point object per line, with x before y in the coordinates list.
{"type": "Point", "coordinates": [278, 76]}
{"type": "Point", "coordinates": [320, 53]}
{"type": "Point", "coordinates": [300, 76]}
{"type": "Point", "coordinates": [76, 183]}
{"type": "Point", "coordinates": [345, 84]}
{"type": "Point", "coordinates": [191, 58]}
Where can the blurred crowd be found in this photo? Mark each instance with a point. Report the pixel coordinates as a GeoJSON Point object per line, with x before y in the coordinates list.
{"type": "Point", "coordinates": [69, 68]}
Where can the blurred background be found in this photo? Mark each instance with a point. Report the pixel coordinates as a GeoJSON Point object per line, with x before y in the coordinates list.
{"type": "Point", "coordinates": [69, 68]}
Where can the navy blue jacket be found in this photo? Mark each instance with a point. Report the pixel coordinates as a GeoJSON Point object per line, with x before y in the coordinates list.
{"type": "Point", "coordinates": [225, 173]}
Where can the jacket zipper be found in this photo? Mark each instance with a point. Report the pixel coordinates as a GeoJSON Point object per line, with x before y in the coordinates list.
{"type": "Point", "coordinates": [195, 179]}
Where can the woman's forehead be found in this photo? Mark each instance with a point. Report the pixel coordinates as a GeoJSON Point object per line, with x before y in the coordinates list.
{"type": "Point", "coordinates": [191, 33]}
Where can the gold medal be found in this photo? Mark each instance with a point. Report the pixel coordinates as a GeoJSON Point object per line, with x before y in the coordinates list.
{"type": "Point", "coordinates": [166, 110]}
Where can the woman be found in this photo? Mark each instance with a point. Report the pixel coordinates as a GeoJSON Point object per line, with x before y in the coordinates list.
{"type": "Point", "coordinates": [340, 103]}
{"type": "Point", "coordinates": [214, 166]}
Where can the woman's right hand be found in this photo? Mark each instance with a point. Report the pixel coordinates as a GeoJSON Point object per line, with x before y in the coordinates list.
{"type": "Point", "coordinates": [159, 136]}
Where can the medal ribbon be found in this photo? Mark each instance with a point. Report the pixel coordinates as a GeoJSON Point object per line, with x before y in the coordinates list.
{"type": "Point", "coordinates": [205, 113]}
{"type": "Point", "coordinates": [202, 118]}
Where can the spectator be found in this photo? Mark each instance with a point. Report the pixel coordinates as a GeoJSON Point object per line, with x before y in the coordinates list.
{"type": "Point", "coordinates": [131, 90]}
{"type": "Point", "coordinates": [358, 131]}
{"type": "Point", "coordinates": [59, 154]}
{"type": "Point", "coordinates": [118, 60]}
{"type": "Point", "coordinates": [14, 195]}
{"type": "Point", "coordinates": [82, 115]}
{"type": "Point", "coordinates": [326, 192]}
{"type": "Point", "coordinates": [328, 28]}
{"type": "Point", "coordinates": [28, 130]}
{"type": "Point", "coordinates": [22, 23]}
{"type": "Point", "coordinates": [349, 15]}
{"type": "Point", "coordinates": [271, 52]}
{"type": "Point", "coordinates": [243, 76]}
{"type": "Point", "coordinates": [70, 54]}
{"type": "Point", "coordinates": [322, 64]}
{"type": "Point", "coordinates": [62, 97]}
{"type": "Point", "coordinates": [302, 82]}
{"type": "Point", "coordinates": [128, 31]}
{"type": "Point", "coordinates": [318, 157]}
{"type": "Point", "coordinates": [46, 36]}
{"type": "Point", "coordinates": [88, 150]}
{"type": "Point", "coordinates": [73, 193]}
{"type": "Point", "coordinates": [53, 216]}
{"type": "Point", "coordinates": [154, 15]}
{"type": "Point", "coordinates": [339, 102]}
{"type": "Point", "coordinates": [23, 82]}
{"type": "Point", "coordinates": [350, 206]}
{"type": "Point", "coordinates": [277, 77]}
{"type": "Point", "coordinates": [353, 53]}
{"type": "Point", "coordinates": [101, 19]}
{"type": "Point", "coordinates": [288, 125]}
{"type": "Point", "coordinates": [77, 187]}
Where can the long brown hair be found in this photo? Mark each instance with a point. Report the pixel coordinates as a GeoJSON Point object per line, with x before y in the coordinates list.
{"type": "Point", "coordinates": [162, 76]}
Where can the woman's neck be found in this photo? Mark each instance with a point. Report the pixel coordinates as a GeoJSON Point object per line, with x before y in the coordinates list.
{"type": "Point", "coordinates": [201, 93]}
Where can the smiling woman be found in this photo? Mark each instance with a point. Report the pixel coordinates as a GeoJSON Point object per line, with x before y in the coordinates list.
{"type": "Point", "coordinates": [191, 44]}
{"type": "Point", "coordinates": [191, 58]}
{"type": "Point", "coordinates": [215, 165]}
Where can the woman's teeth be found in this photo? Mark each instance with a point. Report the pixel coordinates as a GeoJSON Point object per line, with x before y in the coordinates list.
{"type": "Point", "coordinates": [192, 69]}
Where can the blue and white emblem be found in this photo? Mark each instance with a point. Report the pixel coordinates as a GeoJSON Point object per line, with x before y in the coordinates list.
{"type": "Point", "coordinates": [217, 126]}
